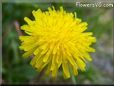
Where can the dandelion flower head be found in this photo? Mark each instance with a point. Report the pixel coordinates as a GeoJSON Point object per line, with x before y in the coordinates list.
{"type": "Point", "coordinates": [57, 38]}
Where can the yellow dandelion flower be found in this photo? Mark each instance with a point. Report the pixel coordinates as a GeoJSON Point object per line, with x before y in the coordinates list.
{"type": "Point", "coordinates": [57, 39]}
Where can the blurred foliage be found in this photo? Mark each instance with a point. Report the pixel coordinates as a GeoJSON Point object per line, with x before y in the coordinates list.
{"type": "Point", "coordinates": [17, 70]}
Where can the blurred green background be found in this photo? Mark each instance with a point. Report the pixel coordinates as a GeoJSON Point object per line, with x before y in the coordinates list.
{"type": "Point", "coordinates": [16, 70]}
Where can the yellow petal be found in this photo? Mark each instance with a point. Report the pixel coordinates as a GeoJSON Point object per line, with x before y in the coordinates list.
{"type": "Point", "coordinates": [81, 64]}
{"type": "Point", "coordinates": [65, 69]}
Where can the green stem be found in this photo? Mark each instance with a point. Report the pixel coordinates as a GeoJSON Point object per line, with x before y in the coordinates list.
{"type": "Point", "coordinates": [73, 79]}
{"type": "Point", "coordinates": [72, 76]}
